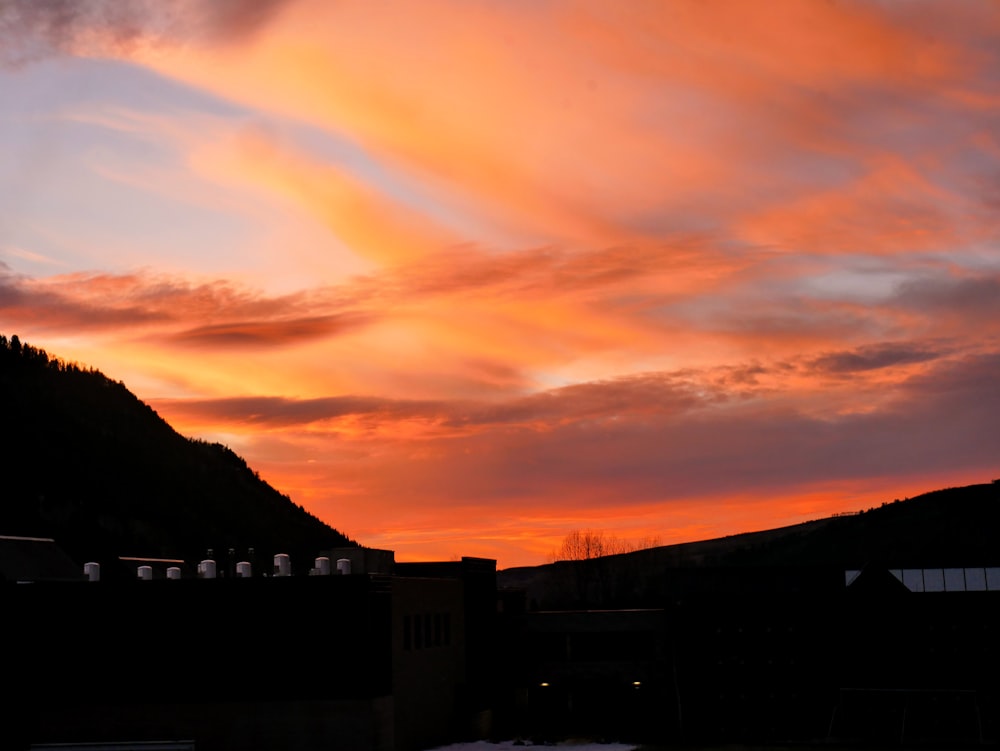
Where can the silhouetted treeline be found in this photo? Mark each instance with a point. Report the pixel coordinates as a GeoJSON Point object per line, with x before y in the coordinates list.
{"type": "Point", "coordinates": [88, 463]}
{"type": "Point", "coordinates": [943, 528]}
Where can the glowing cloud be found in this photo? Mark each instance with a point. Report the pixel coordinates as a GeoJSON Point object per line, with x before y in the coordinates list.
{"type": "Point", "coordinates": [461, 277]}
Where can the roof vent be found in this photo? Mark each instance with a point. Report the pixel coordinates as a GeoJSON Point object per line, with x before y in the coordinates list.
{"type": "Point", "coordinates": [174, 572]}
{"type": "Point", "coordinates": [145, 573]}
{"type": "Point", "coordinates": [206, 569]}
{"type": "Point", "coordinates": [282, 565]}
{"type": "Point", "coordinates": [92, 571]}
{"type": "Point", "coordinates": [344, 566]}
{"type": "Point", "coordinates": [243, 570]}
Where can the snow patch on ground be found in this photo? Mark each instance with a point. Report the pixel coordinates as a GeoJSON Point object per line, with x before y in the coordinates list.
{"type": "Point", "coordinates": [513, 746]}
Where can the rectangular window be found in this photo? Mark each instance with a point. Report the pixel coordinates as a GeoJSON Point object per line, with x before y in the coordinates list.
{"type": "Point", "coordinates": [975, 579]}
{"type": "Point", "coordinates": [933, 580]}
{"type": "Point", "coordinates": [447, 628]}
{"type": "Point", "coordinates": [428, 631]}
{"type": "Point", "coordinates": [437, 629]}
{"type": "Point", "coordinates": [993, 578]}
{"type": "Point", "coordinates": [418, 633]}
{"type": "Point", "coordinates": [406, 632]}
{"type": "Point", "coordinates": [954, 580]}
{"type": "Point", "coordinates": [913, 579]}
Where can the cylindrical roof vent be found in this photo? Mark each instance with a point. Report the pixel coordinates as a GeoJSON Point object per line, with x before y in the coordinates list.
{"type": "Point", "coordinates": [323, 566]}
{"type": "Point", "coordinates": [282, 565]}
{"type": "Point", "coordinates": [174, 572]}
{"type": "Point", "coordinates": [206, 569]}
{"type": "Point", "coordinates": [92, 571]}
{"type": "Point", "coordinates": [344, 566]}
{"type": "Point", "coordinates": [145, 573]}
{"type": "Point", "coordinates": [243, 570]}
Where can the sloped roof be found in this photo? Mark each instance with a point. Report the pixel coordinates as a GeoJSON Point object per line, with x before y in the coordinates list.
{"type": "Point", "coordinates": [29, 559]}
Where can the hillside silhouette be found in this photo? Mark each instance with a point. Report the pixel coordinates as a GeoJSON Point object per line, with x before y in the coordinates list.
{"type": "Point", "coordinates": [942, 528]}
{"type": "Point", "coordinates": [87, 463]}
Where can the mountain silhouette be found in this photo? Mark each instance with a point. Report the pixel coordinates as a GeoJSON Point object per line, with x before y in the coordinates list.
{"type": "Point", "coordinates": [87, 463]}
{"type": "Point", "coordinates": [952, 527]}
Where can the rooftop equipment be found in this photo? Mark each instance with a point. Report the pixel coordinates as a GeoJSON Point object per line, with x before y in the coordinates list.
{"type": "Point", "coordinates": [206, 569]}
{"type": "Point", "coordinates": [145, 573]}
{"type": "Point", "coordinates": [92, 571]}
{"type": "Point", "coordinates": [243, 570]}
{"type": "Point", "coordinates": [174, 572]}
{"type": "Point", "coordinates": [282, 565]}
{"type": "Point", "coordinates": [344, 566]}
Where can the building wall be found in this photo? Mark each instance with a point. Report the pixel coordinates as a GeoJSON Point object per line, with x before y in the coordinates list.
{"type": "Point", "coordinates": [758, 656]}
{"type": "Point", "coordinates": [429, 665]}
{"type": "Point", "coordinates": [293, 660]}
{"type": "Point", "coordinates": [367, 661]}
{"type": "Point", "coordinates": [595, 673]}
{"type": "Point", "coordinates": [479, 695]}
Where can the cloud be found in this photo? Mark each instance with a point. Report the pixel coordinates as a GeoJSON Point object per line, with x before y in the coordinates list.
{"type": "Point", "coordinates": [621, 259]}
{"type": "Point", "coordinates": [120, 303]}
{"type": "Point", "coordinates": [975, 295]}
{"type": "Point", "coordinates": [616, 399]}
{"type": "Point", "coordinates": [580, 137]}
{"type": "Point", "coordinates": [34, 29]}
{"type": "Point", "coordinates": [252, 334]}
{"type": "Point", "coordinates": [647, 452]}
{"type": "Point", "coordinates": [278, 411]}
{"type": "Point", "coordinates": [874, 357]}
{"type": "Point", "coordinates": [364, 218]}
{"type": "Point", "coordinates": [656, 455]}
{"type": "Point", "coordinates": [48, 306]}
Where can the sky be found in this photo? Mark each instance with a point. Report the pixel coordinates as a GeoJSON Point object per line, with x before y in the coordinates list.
{"type": "Point", "coordinates": [463, 276]}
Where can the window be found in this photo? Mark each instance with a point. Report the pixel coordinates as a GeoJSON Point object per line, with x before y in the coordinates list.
{"type": "Point", "coordinates": [426, 630]}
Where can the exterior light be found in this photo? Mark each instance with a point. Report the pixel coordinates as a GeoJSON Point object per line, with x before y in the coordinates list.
{"type": "Point", "coordinates": [543, 684]}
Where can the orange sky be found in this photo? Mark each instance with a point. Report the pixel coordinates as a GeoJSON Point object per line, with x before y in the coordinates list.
{"type": "Point", "coordinates": [461, 277]}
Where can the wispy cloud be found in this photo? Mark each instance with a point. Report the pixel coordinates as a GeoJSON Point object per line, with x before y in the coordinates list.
{"type": "Point", "coordinates": [513, 268]}
{"type": "Point", "coordinates": [874, 357]}
{"type": "Point", "coordinates": [239, 334]}
{"type": "Point", "coordinates": [631, 446]}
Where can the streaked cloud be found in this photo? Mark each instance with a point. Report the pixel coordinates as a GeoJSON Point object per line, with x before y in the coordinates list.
{"type": "Point", "coordinates": [645, 454]}
{"type": "Point", "coordinates": [460, 277]}
{"type": "Point", "coordinates": [874, 357]}
{"type": "Point", "coordinates": [256, 334]}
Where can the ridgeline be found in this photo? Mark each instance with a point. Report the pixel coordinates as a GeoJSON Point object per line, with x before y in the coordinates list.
{"type": "Point", "coordinates": [87, 463]}
{"type": "Point", "coordinates": [952, 527]}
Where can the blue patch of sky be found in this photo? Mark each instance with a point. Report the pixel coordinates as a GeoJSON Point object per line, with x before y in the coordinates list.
{"type": "Point", "coordinates": [853, 284]}
{"type": "Point", "coordinates": [86, 221]}
{"type": "Point", "coordinates": [63, 159]}
{"type": "Point", "coordinates": [54, 202]}
{"type": "Point", "coordinates": [59, 84]}
{"type": "Point", "coordinates": [790, 285]}
{"type": "Point", "coordinates": [60, 207]}
{"type": "Point", "coordinates": [848, 277]}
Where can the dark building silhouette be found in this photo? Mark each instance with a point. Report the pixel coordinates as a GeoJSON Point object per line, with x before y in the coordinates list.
{"type": "Point", "coordinates": [772, 655]}
{"type": "Point", "coordinates": [370, 660]}
{"type": "Point", "coordinates": [412, 655]}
